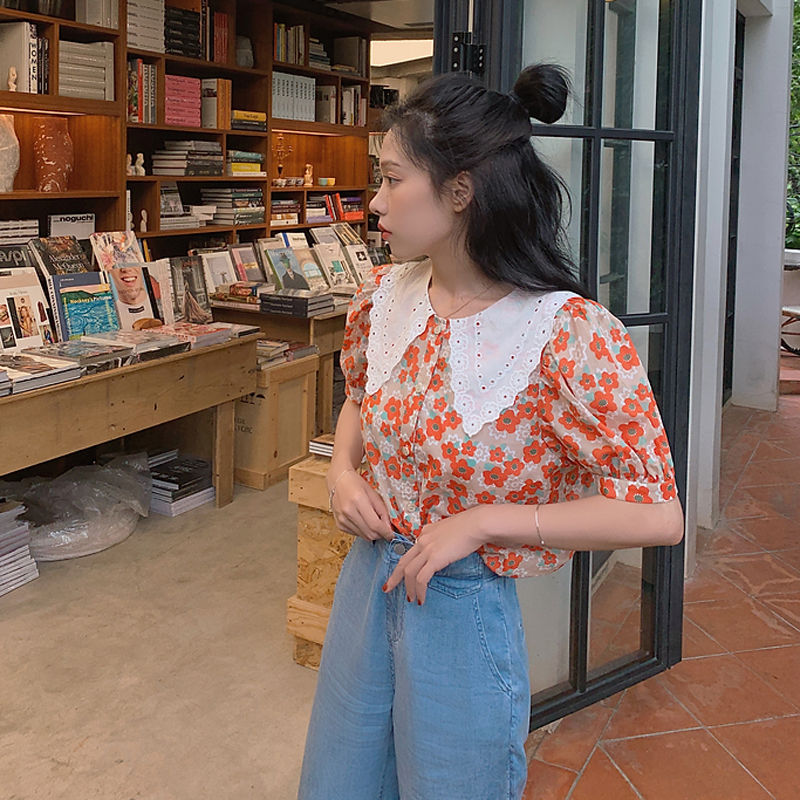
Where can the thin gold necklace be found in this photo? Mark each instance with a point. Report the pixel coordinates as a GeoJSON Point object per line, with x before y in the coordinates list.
{"type": "Point", "coordinates": [465, 303]}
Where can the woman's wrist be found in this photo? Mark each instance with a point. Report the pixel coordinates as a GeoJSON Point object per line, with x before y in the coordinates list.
{"type": "Point", "coordinates": [332, 485]}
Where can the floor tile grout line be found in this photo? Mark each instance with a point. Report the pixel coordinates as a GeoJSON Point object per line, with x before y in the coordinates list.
{"type": "Point", "coordinates": [594, 749]}
{"type": "Point", "coordinates": [722, 745]}
{"type": "Point", "coordinates": [755, 721]}
{"type": "Point", "coordinates": [761, 678]}
{"type": "Point", "coordinates": [622, 772]}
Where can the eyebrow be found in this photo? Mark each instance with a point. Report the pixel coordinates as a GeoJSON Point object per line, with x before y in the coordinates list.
{"type": "Point", "coordinates": [385, 164]}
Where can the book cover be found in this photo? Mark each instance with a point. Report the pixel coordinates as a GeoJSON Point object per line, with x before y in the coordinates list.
{"type": "Point", "coordinates": [131, 297]}
{"type": "Point", "coordinates": [245, 262]}
{"type": "Point", "coordinates": [333, 265]}
{"type": "Point", "coordinates": [286, 268]}
{"type": "Point", "coordinates": [84, 352]}
{"type": "Point", "coordinates": [310, 269]}
{"type": "Point", "coordinates": [57, 255]}
{"type": "Point", "coordinates": [23, 311]}
{"type": "Point", "coordinates": [86, 304]}
{"type": "Point", "coordinates": [190, 301]}
{"type": "Point", "coordinates": [218, 268]}
{"type": "Point", "coordinates": [116, 248]}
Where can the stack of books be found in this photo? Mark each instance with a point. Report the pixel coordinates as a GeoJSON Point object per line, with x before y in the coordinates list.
{"type": "Point", "coordinates": [189, 157]}
{"type": "Point", "coordinates": [29, 372]}
{"type": "Point", "coordinates": [18, 231]}
{"type": "Point", "coordinates": [182, 32]}
{"type": "Point", "coordinates": [86, 69]}
{"type": "Point", "coordinates": [179, 485]}
{"type": "Point", "coordinates": [17, 566]}
{"type": "Point", "coordinates": [248, 120]}
{"type": "Point", "coordinates": [289, 43]}
{"type": "Point", "coordinates": [146, 344]}
{"type": "Point", "coordinates": [91, 12]}
{"type": "Point", "coordinates": [296, 303]}
{"type": "Point", "coordinates": [317, 55]}
{"type": "Point", "coordinates": [354, 106]}
{"type": "Point", "coordinates": [321, 445]}
{"type": "Point", "coordinates": [198, 335]}
{"type": "Point", "coordinates": [318, 208]}
{"type": "Point", "coordinates": [270, 352]}
{"type": "Point", "coordinates": [236, 205]}
{"type": "Point", "coordinates": [182, 103]}
{"type": "Point", "coordinates": [350, 55]}
{"type": "Point", "coordinates": [142, 98]}
{"type": "Point", "coordinates": [348, 206]}
{"type": "Point", "coordinates": [173, 214]}
{"type": "Point", "coordinates": [156, 457]}
{"type": "Point", "coordinates": [91, 357]}
{"type": "Point", "coordinates": [215, 102]}
{"type": "Point", "coordinates": [285, 211]}
{"type": "Point", "coordinates": [325, 104]}
{"type": "Point", "coordinates": [245, 163]}
{"type": "Point", "coordinates": [146, 24]}
{"type": "Point", "coordinates": [5, 383]}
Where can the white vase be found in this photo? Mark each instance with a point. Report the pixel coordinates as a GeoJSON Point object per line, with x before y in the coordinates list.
{"type": "Point", "coordinates": [9, 153]}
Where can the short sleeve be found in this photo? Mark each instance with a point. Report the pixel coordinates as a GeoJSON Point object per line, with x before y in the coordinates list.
{"type": "Point", "coordinates": [597, 401]}
{"type": "Point", "coordinates": [353, 356]}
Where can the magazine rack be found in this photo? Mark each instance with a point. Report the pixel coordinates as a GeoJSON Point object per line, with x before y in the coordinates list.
{"type": "Point", "coordinates": [52, 422]}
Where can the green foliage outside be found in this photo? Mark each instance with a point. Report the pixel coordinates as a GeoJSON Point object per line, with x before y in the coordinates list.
{"type": "Point", "coordinates": [793, 190]}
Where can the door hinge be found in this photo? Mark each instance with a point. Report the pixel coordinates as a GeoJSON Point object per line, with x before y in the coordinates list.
{"type": "Point", "coordinates": [466, 55]}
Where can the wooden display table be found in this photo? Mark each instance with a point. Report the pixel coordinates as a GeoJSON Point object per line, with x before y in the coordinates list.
{"type": "Point", "coordinates": [48, 423]}
{"type": "Point", "coordinates": [325, 331]}
{"type": "Point", "coordinates": [275, 423]}
{"type": "Point", "coordinates": [321, 548]}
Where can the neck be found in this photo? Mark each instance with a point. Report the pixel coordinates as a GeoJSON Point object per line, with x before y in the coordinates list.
{"type": "Point", "coordinates": [454, 274]}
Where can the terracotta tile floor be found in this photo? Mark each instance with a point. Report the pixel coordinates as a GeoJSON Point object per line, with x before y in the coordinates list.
{"type": "Point", "coordinates": [724, 724]}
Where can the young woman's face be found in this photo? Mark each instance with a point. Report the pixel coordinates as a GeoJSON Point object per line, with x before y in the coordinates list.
{"type": "Point", "coordinates": [415, 221]}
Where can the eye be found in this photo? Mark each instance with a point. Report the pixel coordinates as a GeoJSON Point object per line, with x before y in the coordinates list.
{"type": "Point", "coordinates": [390, 181]}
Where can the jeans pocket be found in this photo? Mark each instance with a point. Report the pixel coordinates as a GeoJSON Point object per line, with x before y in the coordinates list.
{"type": "Point", "coordinates": [494, 635]}
{"type": "Point", "coordinates": [454, 586]}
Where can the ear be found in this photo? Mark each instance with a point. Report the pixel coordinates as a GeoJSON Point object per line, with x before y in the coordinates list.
{"type": "Point", "coordinates": [461, 191]}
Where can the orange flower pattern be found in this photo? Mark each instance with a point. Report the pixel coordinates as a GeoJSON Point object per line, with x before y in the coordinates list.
{"type": "Point", "coordinates": [586, 423]}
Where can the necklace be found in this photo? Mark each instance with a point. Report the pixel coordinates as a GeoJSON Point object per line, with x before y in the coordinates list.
{"type": "Point", "coordinates": [466, 302]}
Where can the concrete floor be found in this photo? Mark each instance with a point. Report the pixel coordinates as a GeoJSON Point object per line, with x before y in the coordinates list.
{"type": "Point", "coordinates": [161, 668]}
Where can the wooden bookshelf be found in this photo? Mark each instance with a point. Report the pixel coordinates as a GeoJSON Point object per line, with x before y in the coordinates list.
{"type": "Point", "coordinates": [102, 134]}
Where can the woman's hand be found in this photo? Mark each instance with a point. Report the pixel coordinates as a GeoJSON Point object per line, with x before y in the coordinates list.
{"type": "Point", "coordinates": [438, 546]}
{"type": "Point", "coordinates": [359, 509]}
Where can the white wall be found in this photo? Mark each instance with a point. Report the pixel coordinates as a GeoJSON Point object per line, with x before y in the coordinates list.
{"type": "Point", "coordinates": [762, 207]}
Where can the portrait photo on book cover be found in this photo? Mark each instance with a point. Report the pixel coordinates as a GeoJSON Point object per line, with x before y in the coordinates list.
{"type": "Point", "coordinates": [288, 277]}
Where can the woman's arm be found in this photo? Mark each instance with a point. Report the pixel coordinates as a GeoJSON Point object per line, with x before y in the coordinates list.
{"type": "Point", "coordinates": [356, 506]}
{"type": "Point", "coordinates": [591, 523]}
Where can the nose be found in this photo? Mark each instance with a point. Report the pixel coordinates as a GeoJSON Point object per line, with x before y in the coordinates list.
{"type": "Point", "coordinates": [378, 205]}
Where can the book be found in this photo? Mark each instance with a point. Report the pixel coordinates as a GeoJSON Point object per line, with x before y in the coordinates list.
{"type": "Point", "coordinates": [245, 262]}
{"type": "Point", "coordinates": [16, 41]}
{"type": "Point", "coordinates": [28, 372]}
{"type": "Point", "coordinates": [218, 268]}
{"type": "Point", "coordinates": [23, 311]}
{"type": "Point", "coordinates": [85, 304]}
{"type": "Point", "coordinates": [309, 266]}
{"type": "Point", "coordinates": [147, 344]}
{"type": "Point", "coordinates": [284, 264]}
{"type": "Point", "coordinates": [92, 356]}
{"type": "Point", "coordinates": [334, 266]}
{"type": "Point", "coordinates": [81, 226]}
{"type": "Point", "coordinates": [198, 335]}
{"type": "Point", "coordinates": [115, 249]}
{"type": "Point", "coordinates": [131, 296]}
{"type": "Point", "coordinates": [190, 302]}
{"type": "Point", "coordinates": [59, 254]}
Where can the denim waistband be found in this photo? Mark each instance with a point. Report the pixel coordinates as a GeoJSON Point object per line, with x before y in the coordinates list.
{"type": "Point", "coordinates": [471, 566]}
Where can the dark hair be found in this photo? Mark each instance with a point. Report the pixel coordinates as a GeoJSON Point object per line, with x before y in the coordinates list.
{"type": "Point", "coordinates": [513, 226]}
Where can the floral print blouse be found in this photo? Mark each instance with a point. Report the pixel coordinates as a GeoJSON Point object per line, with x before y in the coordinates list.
{"type": "Point", "coordinates": [536, 399]}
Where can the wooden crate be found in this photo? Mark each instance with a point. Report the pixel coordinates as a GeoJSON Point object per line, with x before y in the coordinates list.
{"type": "Point", "coordinates": [274, 424]}
{"type": "Point", "coordinates": [321, 548]}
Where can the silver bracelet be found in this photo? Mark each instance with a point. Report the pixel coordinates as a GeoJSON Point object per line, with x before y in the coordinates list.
{"type": "Point", "coordinates": [538, 529]}
{"type": "Point", "coordinates": [332, 490]}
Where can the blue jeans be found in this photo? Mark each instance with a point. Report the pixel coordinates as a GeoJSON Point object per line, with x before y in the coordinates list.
{"type": "Point", "coordinates": [417, 702]}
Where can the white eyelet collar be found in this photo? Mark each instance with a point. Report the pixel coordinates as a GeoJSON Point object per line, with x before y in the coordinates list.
{"type": "Point", "coordinates": [492, 353]}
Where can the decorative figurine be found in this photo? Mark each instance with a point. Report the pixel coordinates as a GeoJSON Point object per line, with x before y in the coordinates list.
{"type": "Point", "coordinates": [129, 164]}
{"type": "Point", "coordinates": [130, 221]}
{"type": "Point", "coordinates": [53, 154]}
{"type": "Point", "coordinates": [308, 175]}
{"type": "Point", "coordinates": [143, 223]}
{"type": "Point", "coordinates": [138, 167]}
{"type": "Point", "coordinates": [9, 153]}
{"type": "Point", "coordinates": [12, 79]}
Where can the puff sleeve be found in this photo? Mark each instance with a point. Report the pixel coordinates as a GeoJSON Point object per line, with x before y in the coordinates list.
{"type": "Point", "coordinates": [598, 409]}
{"type": "Point", "coordinates": [353, 355]}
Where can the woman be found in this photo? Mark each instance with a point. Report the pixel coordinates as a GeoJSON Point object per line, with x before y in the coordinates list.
{"type": "Point", "coordinates": [505, 420]}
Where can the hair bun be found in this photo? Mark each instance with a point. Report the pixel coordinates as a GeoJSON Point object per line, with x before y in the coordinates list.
{"type": "Point", "coordinates": [543, 89]}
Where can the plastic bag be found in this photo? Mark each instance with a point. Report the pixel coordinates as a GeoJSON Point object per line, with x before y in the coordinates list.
{"type": "Point", "coordinates": [85, 510]}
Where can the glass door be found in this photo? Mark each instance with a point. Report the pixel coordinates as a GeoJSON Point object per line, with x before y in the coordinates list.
{"type": "Point", "coordinates": [626, 147]}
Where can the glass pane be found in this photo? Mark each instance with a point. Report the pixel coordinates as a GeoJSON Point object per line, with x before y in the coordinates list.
{"type": "Point", "coordinates": [547, 634]}
{"type": "Point", "coordinates": [636, 64]}
{"type": "Point", "coordinates": [569, 158]}
{"type": "Point", "coordinates": [615, 609]}
{"type": "Point", "coordinates": [632, 226]}
{"type": "Point", "coordinates": [556, 32]}
{"type": "Point", "coordinates": [649, 343]}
